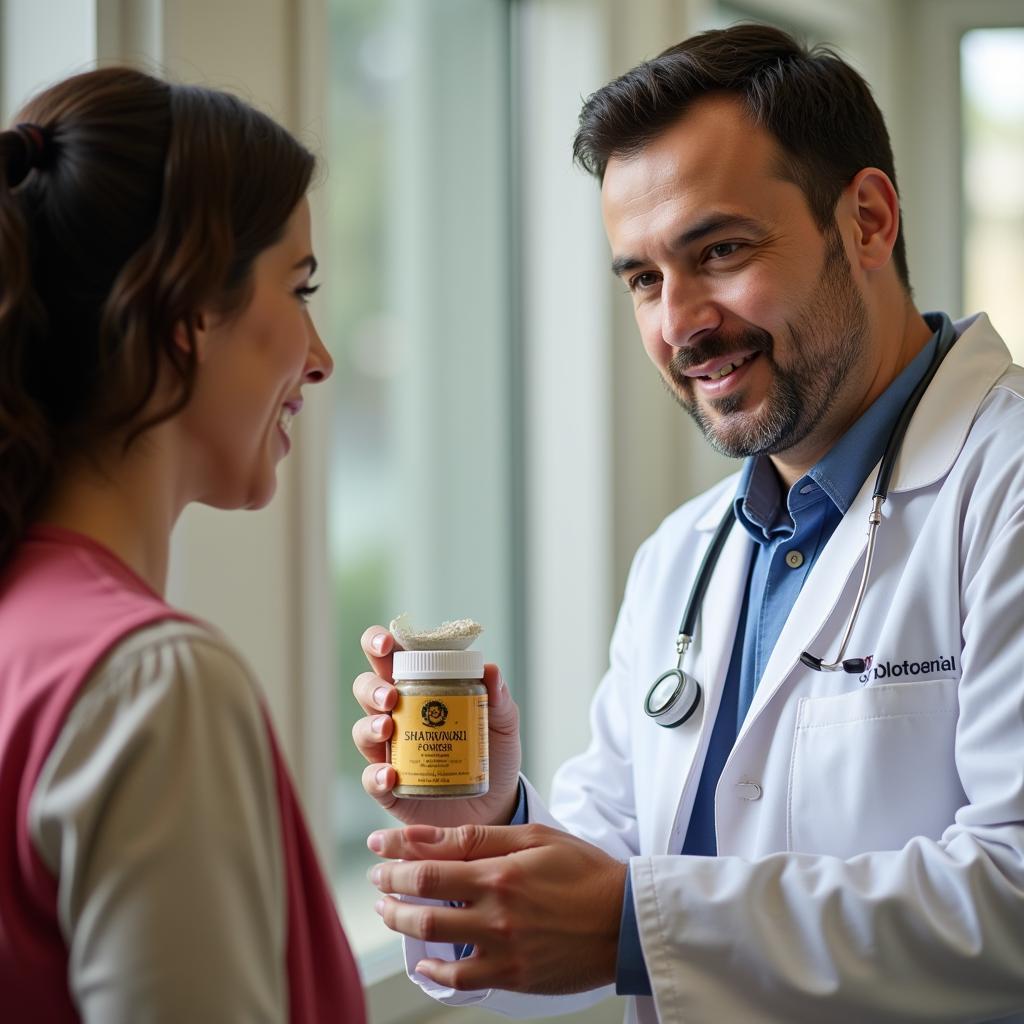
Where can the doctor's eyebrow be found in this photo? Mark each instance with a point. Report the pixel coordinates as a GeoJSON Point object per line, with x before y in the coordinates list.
{"type": "Point", "coordinates": [706, 226]}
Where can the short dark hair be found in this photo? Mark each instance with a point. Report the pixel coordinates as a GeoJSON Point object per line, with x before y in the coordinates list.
{"type": "Point", "coordinates": [137, 204]}
{"type": "Point", "coordinates": [820, 111]}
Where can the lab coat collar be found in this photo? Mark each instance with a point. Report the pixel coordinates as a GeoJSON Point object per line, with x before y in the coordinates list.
{"type": "Point", "coordinates": [942, 420]}
{"type": "Point", "coordinates": [713, 514]}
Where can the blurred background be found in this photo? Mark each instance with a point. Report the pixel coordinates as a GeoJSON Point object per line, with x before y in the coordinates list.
{"type": "Point", "coordinates": [494, 443]}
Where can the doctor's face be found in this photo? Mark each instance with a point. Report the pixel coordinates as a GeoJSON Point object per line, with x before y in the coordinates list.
{"type": "Point", "coordinates": [750, 313]}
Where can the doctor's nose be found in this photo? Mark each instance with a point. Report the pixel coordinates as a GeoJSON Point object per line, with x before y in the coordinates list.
{"type": "Point", "coordinates": [686, 312]}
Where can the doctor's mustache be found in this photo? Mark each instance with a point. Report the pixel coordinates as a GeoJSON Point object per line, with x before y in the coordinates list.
{"type": "Point", "coordinates": [713, 347]}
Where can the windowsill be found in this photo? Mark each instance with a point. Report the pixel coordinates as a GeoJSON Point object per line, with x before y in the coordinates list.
{"type": "Point", "coordinates": [391, 998]}
{"type": "Point", "coordinates": [382, 965]}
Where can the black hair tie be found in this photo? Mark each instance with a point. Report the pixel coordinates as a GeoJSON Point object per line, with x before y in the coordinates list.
{"type": "Point", "coordinates": [33, 140]}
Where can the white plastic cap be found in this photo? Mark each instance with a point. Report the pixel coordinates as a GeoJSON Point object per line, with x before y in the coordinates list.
{"type": "Point", "coordinates": [438, 665]}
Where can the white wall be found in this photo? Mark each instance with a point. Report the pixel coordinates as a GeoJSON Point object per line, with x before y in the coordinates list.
{"type": "Point", "coordinates": [33, 56]}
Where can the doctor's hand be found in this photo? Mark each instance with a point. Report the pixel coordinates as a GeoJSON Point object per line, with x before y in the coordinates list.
{"type": "Point", "coordinates": [377, 696]}
{"type": "Point", "coordinates": [541, 907]}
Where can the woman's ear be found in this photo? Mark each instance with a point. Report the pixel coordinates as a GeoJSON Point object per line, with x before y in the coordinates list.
{"type": "Point", "coordinates": [192, 334]}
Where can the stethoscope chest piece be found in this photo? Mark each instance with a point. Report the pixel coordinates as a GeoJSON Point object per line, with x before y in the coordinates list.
{"type": "Point", "coordinates": [675, 694]}
{"type": "Point", "coordinates": [673, 698]}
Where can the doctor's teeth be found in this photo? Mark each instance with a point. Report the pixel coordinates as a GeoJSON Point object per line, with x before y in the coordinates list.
{"type": "Point", "coordinates": [724, 371]}
{"type": "Point", "coordinates": [285, 420]}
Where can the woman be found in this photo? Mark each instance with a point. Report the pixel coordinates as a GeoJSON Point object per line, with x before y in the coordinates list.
{"type": "Point", "coordinates": [155, 262]}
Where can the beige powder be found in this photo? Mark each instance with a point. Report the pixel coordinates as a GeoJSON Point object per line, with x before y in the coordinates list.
{"type": "Point", "coordinates": [449, 636]}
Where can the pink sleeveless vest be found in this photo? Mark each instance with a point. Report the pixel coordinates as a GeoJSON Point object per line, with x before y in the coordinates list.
{"type": "Point", "coordinates": [65, 602]}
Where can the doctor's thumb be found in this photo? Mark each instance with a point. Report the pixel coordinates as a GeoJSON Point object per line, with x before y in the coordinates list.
{"type": "Point", "coordinates": [502, 713]}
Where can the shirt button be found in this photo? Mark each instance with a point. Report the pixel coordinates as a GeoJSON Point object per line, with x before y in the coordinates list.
{"type": "Point", "coordinates": [748, 790]}
{"type": "Point", "coordinates": [794, 559]}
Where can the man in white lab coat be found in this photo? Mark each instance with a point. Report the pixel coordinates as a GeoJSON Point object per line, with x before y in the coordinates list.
{"type": "Point", "coordinates": [808, 845]}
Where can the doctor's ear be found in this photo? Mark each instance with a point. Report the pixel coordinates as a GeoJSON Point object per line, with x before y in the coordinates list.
{"type": "Point", "coordinates": [871, 202]}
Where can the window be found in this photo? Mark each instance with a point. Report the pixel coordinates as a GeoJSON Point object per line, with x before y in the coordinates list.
{"type": "Point", "coordinates": [992, 106]}
{"type": "Point", "coordinates": [725, 14]}
{"type": "Point", "coordinates": [422, 502]}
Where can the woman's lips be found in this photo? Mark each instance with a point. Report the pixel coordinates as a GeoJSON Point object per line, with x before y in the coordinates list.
{"type": "Point", "coordinates": [284, 422]}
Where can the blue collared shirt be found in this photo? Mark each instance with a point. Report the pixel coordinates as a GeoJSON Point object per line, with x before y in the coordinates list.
{"type": "Point", "coordinates": [789, 530]}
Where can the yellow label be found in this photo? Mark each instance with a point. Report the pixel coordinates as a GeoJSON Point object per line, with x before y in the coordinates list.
{"type": "Point", "coordinates": [440, 740]}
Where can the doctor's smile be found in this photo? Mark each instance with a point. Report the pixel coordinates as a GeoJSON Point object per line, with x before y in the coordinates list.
{"type": "Point", "coordinates": [718, 369]}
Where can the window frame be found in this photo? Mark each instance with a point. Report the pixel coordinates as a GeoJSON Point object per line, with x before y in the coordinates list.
{"type": "Point", "coordinates": [934, 141]}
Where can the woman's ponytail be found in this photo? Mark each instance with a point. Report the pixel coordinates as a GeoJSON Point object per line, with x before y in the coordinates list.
{"type": "Point", "coordinates": [26, 448]}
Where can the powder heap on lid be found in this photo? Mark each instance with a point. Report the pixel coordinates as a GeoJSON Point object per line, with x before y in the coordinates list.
{"type": "Point", "coordinates": [449, 636]}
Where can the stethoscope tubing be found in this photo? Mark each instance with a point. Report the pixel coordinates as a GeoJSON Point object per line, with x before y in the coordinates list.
{"type": "Point", "coordinates": [879, 496]}
{"type": "Point", "coordinates": [671, 716]}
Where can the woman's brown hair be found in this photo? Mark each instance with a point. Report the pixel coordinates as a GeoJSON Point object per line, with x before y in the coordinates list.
{"type": "Point", "coordinates": [127, 204]}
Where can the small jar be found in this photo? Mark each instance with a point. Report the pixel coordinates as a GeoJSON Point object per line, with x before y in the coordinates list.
{"type": "Point", "coordinates": [438, 744]}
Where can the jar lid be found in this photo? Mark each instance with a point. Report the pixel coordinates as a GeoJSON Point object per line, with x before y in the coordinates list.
{"type": "Point", "coordinates": [438, 665]}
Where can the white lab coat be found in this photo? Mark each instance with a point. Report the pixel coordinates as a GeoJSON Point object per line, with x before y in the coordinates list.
{"type": "Point", "coordinates": [870, 832]}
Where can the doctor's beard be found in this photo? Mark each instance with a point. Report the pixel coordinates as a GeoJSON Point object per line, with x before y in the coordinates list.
{"type": "Point", "coordinates": [828, 337]}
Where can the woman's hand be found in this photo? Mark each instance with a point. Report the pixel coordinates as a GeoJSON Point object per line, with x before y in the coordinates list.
{"type": "Point", "coordinates": [377, 696]}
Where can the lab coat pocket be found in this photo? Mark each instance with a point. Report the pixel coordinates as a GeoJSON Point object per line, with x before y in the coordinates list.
{"type": "Point", "coordinates": [873, 768]}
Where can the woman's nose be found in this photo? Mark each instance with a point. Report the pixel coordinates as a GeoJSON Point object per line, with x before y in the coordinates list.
{"type": "Point", "coordinates": [319, 364]}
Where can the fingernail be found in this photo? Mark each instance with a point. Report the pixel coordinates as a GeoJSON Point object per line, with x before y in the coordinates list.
{"type": "Point", "coordinates": [380, 695]}
{"type": "Point", "coordinates": [377, 643]}
{"type": "Point", "coordinates": [381, 777]}
{"type": "Point", "coordinates": [375, 841]}
{"type": "Point", "coordinates": [375, 875]}
{"type": "Point", "coordinates": [379, 907]}
{"type": "Point", "coordinates": [377, 725]}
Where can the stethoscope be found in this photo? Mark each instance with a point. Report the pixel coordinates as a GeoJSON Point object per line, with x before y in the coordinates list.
{"type": "Point", "coordinates": [675, 695]}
